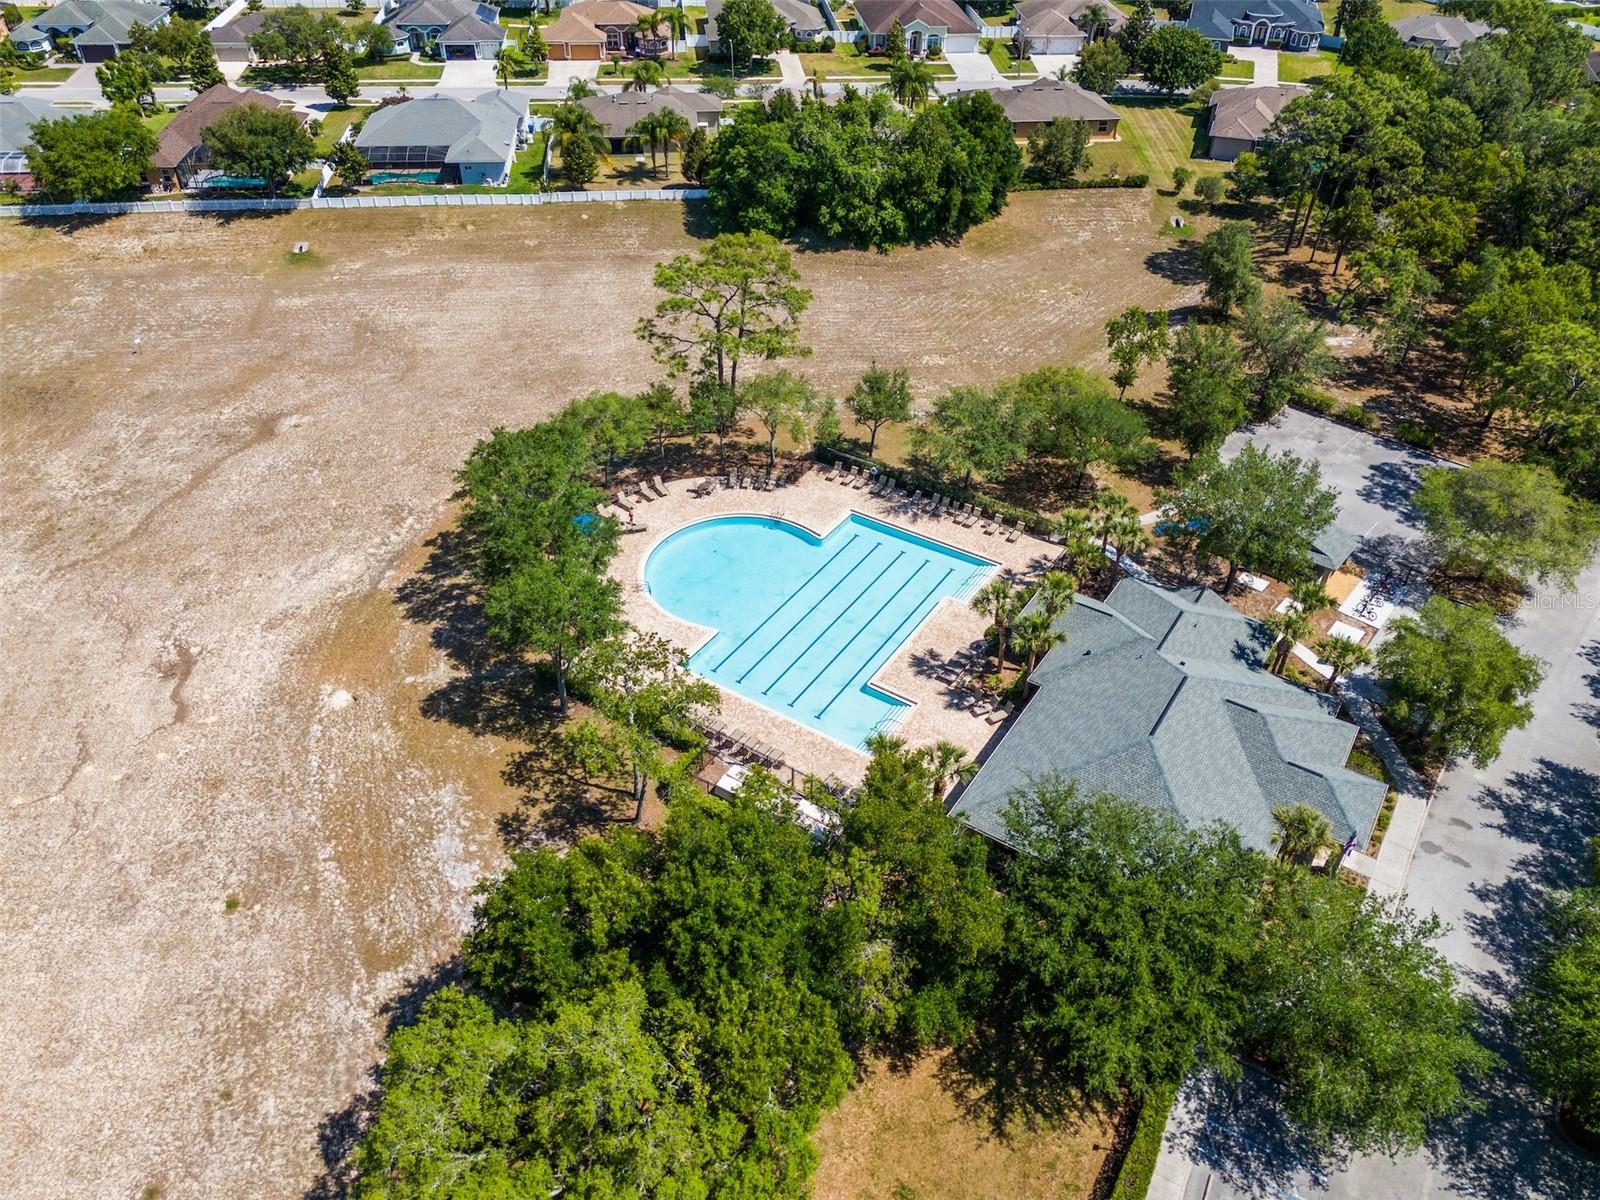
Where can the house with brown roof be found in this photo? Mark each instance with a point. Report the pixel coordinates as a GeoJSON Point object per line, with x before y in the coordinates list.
{"type": "Point", "coordinates": [182, 160]}
{"type": "Point", "coordinates": [1058, 27]}
{"type": "Point", "coordinates": [230, 41]}
{"type": "Point", "coordinates": [928, 25]}
{"type": "Point", "coordinates": [805, 20]}
{"type": "Point", "coordinates": [594, 30]}
{"type": "Point", "coordinates": [1037, 104]}
{"type": "Point", "coordinates": [619, 112]}
{"type": "Point", "coordinates": [1238, 117]}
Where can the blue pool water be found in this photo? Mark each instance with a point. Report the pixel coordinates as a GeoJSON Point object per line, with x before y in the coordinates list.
{"type": "Point", "coordinates": [803, 623]}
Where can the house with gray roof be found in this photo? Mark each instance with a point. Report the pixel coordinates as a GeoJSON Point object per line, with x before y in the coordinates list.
{"type": "Point", "coordinates": [97, 29]}
{"type": "Point", "coordinates": [18, 115]}
{"type": "Point", "coordinates": [1440, 35]}
{"type": "Point", "coordinates": [461, 29]}
{"type": "Point", "coordinates": [1283, 24]}
{"type": "Point", "coordinates": [1035, 105]}
{"type": "Point", "coordinates": [464, 141]}
{"type": "Point", "coordinates": [619, 112]}
{"type": "Point", "coordinates": [1237, 118]}
{"type": "Point", "coordinates": [1162, 696]}
{"type": "Point", "coordinates": [1056, 26]}
{"type": "Point", "coordinates": [805, 20]}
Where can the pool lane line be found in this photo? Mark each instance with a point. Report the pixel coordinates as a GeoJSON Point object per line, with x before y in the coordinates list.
{"type": "Point", "coordinates": [838, 583]}
{"type": "Point", "coordinates": [832, 559]}
{"type": "Point", "coordinates": [891, 638]}
{"type": "Point", "coordinates": [839, 616]}
{"type": "Point", "coordinates": [865, 625]}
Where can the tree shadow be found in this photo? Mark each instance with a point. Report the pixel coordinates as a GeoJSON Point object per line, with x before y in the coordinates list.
{"type": "Point", "coordinates": [1589, 714]}
{"type": "Point", "coordinates": [996, 1079]}
{"type": "Point", "coordinates": [1176, 264]}
{"type": "Point", "coordinates": [1506, 1145]}
{"type": "Point", "coordinates": [1238, 1129]}
{"type": "Point", "coordinates": [339, 1131]}
{"type": "Point", "coordinates": [558, 804]}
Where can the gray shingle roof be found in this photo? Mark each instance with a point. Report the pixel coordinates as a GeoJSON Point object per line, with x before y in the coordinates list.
{"type": "Point", "coordinates": [1059, 18]}
{"type": "Point", "coordinates": [107, 21]}
{"type": "Point", "coordinates": [1047, 99]}
{"type": "Point", "coordinates": [1436, 29]}
{"type": "Point", "coordinates": [18, 115]}
{"type": "Point", "coordinates": [1332, 548]}
{"type": "Point", "coordinates": [1161, 695]}
{"type": "Point", "coordinates": [1246, 112]}
{"type": "Point", "coordinates": [1215, 18]}
{"type": "Point", "coordinates": [482, 129]}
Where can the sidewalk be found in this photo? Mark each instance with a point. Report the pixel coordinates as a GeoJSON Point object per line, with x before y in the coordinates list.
{"type": "Point", "coordinates": [1386, 874]}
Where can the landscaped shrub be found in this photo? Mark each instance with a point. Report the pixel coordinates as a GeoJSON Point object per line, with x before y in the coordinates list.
{"type": "Point", "coordinates": [935, 52]}
{"type": "Point", "coordinates": [1133, 1181]}
{"type": "Point", "coordinates": [1103, 181]}
{"type": "Point", "coordinates": [1316, 401]}
{"type": "Point", "coordinates": [829, 45]}
{"type": "Point", "coordinates": [1354, 414]}
{"type": "Point", "coordinates": [1416, 435]}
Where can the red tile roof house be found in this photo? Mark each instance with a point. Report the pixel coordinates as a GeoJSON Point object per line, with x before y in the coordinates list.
{"type": "Point", "coordinates": [927, 23]}
{"type": "Point", "coordinates": [181, 160]}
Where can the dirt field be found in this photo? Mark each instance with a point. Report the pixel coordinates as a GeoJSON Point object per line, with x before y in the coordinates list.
{"type": "Point", "coordinates": [245, 808]}
{"type": "Point", "coordinates": [904, 1135]}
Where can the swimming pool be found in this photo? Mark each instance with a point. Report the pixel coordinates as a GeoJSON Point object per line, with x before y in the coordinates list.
{"type": "Point", "coordinates": [803, 623]}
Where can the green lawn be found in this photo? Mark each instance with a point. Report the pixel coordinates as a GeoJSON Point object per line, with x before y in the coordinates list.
{"type": "Point", "coordinates": [394, 71]}
{"type": "Point", "coordinates": [334, 124]}
{"type": "Point", "coordinates": [156, 122]}
{"type": "Point", "coordinates": [401, 69]}
{"type": "Point", "coordinates": [1393, 10]}
{"type": "Point", "coordinates": [1233, 68]}
{"type": "Point", "coordinates": [43, 74]}
{"type": "Point", "coordinates": [848, 61]}
{"type": "Point", "coordinates": [1156, 135]}
{"type": "Point", "coordinates": [1016, 68]}
{"type": "Point", "coordinates": [1295, 68]}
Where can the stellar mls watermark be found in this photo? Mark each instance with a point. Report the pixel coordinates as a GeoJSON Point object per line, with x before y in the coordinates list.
{"type": "Point", "coordinates": [1572, 601]}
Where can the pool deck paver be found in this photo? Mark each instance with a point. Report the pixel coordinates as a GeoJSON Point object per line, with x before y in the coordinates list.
{"type": "Point", "coordinates": [818, 504]}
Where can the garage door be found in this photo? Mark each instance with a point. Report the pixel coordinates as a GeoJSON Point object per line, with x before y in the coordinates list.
{"type": "Point", "coordinates": [96, 53]}
{"type": "Point", "coordinates": [470, 50]}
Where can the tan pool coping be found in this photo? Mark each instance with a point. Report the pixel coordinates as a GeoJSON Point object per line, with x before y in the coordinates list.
{"type": "Point", "coordinates": [817, 504]}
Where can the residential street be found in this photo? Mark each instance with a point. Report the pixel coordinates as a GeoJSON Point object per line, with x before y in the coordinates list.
{"type": "Point", "coordinates": [1493, 840]}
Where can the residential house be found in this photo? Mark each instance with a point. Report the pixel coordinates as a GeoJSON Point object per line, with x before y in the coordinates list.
{"type": "Point", "coordinates": [1162, 696]}
{"type": "Point", "coordinates": [18, 115]}
{"type": "Point", "coordinates": [230, 42]}
{"type": "Point", "coordinates": [594, 30]}
{"type": "Point", "coordinates": [461, 29]}
{"type": "Point", "coordinates": [471, 141]}
{"type": "Point", "coordinates": [929, 25]}
{"type": "Point", "coordinates": [1034, 105]}
{"type": "Point", "coordinates": [619, 112]}
{"type": "Point", "coordinates": [1331, 549]}
{"type": "Point", "coordinates": [182, 159]}
{"type": "Point", "coordinates": [1238, 117]}
{"type": "Point", "coordinates": [97, 29]}
{"type": "Point", "coordinates": [1440, 35]}
{"type": "Point", "coordinates": [1056, 26]}
{"type": "Point", "coordinates": [805, 20]}
{"type": "Point", "coordinates": [1283, 24]}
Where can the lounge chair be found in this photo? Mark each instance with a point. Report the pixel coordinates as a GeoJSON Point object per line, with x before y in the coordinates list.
{"type": "Point", "coordinates": [833, 469]}
{"type": "Point", "coordinates": [892, 486]}
{"type": "Point", "coordinates": [988, 522]}
{"type": "Point", "coordinates": [769, 481]}
{"type": "Point", "coordinates": [916, 498]}
{"type": "Point", "coordinates": [1015, 531]}
{"type": "Point", "coordinates": [938, 505]}
{"type": "Point", "coordinates": [661, 488]}
{"type": "Point", "coordinates": [965, 515]}
{"type": "Point", "coordinates": [848, 476]}
{"type": "Point", "coordinates": [744, 480]}
{"type": "Point", "coordinates": [999, 714]}
{"type": "Point", "coordinates": [861, 479]}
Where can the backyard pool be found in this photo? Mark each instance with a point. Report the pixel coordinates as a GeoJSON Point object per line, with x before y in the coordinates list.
{"type": "Point", "coordinates": [803, 623]}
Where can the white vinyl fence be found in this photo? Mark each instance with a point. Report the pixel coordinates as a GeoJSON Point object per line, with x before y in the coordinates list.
{"type": "Point", "coordinates": [439, 200]}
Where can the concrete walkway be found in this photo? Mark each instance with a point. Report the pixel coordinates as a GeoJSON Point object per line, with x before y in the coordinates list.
{"type": "Point", "coordinates": [792, 71]}
{"type": "Point", "coordinates": [1266, 62]}
{"type": "Point", "coordinates": [1049, 64]}
{"type": "Point", "coordinates": [1386, 873]}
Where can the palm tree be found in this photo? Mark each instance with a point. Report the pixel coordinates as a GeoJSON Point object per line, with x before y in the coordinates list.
{"type": "Point", "coordinates": [946, 761]}
{"type": "Point", "coordinates": [572, 122]}
{"type": "Point", "coordinates": [1287, 628]}
{"type": "Point", "coordinates": [1036, 635]}
{"type": "Point", "coordinates": [1093, 20]}
{"type": "Point", "coordinates": [646, 131]}
{"type": "Point", "coordinates": [673, 128]}
{"type": "Point", "coordinates": [1108, 508]}
{"type": "Point", "coordinates": [1342, 655]}
{"type": "Point", "coordinates": [644, 76]}
{"type": "Point", "coordinates": [1302, 831]}
{"type": "Point", "coordinates": [1056, 593]}
{"type": "Point", "coordinates": [677, 23]}
{"type": "Point", "coordinates": [998, 601]}
{"type": "Point", "coordinates": [507, 63]}
{"type": "Point", "coordinates": [1309, 596]}
{"type": "Point", "coordinates": [1130, 535]}
{"type": "Point", "coordinates": [910, 82]}
{"type": "Point", "coordinates": [580, 89]}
